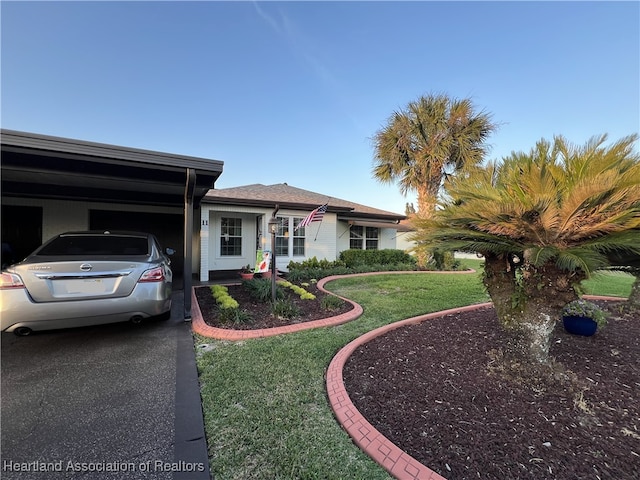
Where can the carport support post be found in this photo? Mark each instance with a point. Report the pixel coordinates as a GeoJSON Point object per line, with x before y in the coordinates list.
{"type": "Point", "coordinates": [188, 240]}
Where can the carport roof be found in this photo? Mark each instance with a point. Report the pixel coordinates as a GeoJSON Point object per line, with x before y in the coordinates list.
{"type": "Point", "coordinates": [44, 166]}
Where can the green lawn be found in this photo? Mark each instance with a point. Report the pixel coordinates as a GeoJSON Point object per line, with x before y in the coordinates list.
{"type": "Point", "coordinates": [616, 284]}
{"type": "Point", "coordinates": [264, 401]}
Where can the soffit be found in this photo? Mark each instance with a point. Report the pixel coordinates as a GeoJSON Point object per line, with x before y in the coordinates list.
{"type": "Point", "coordinates": [396, 226]}
{"type": "Point", "coordinates": [51, 167]}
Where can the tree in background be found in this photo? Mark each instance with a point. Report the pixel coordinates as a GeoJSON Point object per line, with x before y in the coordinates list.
{"type": "Point", "coordinates": [409, 209]}
{"type": "Point", "coordinates": [544, 221]}
{"type": "Point", "coordinates": [422, 145]}
{"type": "Point", "coordinates": [430, 139]}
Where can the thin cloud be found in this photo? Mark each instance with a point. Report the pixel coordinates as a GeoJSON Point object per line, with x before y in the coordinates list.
{"type": "Point", "coordinates": [267, 18]}
{"type": "Point", "coordinates": [298, 43]}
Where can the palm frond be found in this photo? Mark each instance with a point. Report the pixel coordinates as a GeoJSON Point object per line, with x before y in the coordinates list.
{"type": "Point", "coordinates": [424, 142]}
{"type": "Point", "coordinates": [627, 241]}
{"type": "Point", "coordinates": [538, 256]}
{"type": "Point", "coordinates": [583, 259]}
{"type": "Point", "coordinates": [560, 201]}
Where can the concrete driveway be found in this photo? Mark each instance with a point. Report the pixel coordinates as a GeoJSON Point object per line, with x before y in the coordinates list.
{"type": "Point", "coordinates": [108, 402]}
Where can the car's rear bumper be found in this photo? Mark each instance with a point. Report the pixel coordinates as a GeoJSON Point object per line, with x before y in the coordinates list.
{"type": "Point", "coordinates": [17, 309]}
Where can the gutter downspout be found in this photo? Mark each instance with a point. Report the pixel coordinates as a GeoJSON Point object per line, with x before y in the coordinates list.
{"type": "Point", "coordinates": [188, 241]}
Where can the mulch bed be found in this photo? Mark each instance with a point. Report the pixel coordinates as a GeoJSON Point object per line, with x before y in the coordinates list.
{"type": "Point", "coordinates": [261, 311]}
{"type": "Point", "coordinates": [434, 390]}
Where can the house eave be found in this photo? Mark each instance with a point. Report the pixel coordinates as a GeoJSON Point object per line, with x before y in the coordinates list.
{"type": "Point", "coordinates": [247, 202]}
{"type": "Point", "coordinates": [355, 216]}
{"type": "Point", "coordinates": [26, 141]}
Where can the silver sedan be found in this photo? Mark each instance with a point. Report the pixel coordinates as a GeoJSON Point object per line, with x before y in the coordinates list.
{"type": "Point", "coordinates": [86, 278]}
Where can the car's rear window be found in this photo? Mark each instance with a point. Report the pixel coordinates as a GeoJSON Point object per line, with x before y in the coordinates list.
{"type": "Point", "coordinates": [96, 245]}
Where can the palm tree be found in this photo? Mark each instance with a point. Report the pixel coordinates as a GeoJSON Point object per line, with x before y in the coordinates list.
{"type": "Point", "coordinates": [433, 137]}
{"type": "Point", "coordinates": [544, 221]}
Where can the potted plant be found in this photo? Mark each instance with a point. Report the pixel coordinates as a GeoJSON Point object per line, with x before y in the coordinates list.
{"type": "Point", "coordinates": [266, 274]}
{"type": "Point", "coordinates": [582, 317]}
{"type": "Point", "coordinates": [246, 273]}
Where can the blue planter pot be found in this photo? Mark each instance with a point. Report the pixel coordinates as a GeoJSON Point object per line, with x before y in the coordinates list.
{"type": "Point", "coordinates": [580, 325]}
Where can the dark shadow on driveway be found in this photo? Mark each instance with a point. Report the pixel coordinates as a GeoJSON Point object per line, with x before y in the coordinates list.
{"type": "Point", "coordinates": [115, 401]}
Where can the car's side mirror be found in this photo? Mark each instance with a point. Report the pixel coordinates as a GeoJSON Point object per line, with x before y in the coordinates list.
{"type": "Point", "coordinates": [169, 251]}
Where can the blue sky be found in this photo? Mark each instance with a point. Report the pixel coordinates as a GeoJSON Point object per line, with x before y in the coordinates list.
{"type": "Point", "coordinates": [294, 91]}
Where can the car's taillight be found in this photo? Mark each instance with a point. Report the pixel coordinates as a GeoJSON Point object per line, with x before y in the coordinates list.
{"type": "Point", "coordinates": [153, 275]}
{"type": "Point", "coordinates": [10, 280]}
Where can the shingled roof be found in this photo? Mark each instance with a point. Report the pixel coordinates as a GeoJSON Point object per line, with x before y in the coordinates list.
{"type": "Point", "coordinates": [287, 196]}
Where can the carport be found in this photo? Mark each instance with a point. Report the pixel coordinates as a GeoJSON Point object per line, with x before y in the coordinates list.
{"type": "Point", "coordinates": [41, 168]}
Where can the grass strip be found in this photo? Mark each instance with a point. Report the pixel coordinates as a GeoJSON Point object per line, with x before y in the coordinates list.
{"type": "Point", "coordinates": [611, 283]}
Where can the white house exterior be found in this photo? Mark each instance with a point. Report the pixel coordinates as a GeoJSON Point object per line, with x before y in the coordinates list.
{"type": "Point", "coordinates": [404, 236]}
{"type": "Point", "coordinates": [234, 227]}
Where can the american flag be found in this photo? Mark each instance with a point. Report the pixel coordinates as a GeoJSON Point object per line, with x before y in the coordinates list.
{"type": "Point", "coordinates": [315, 216]}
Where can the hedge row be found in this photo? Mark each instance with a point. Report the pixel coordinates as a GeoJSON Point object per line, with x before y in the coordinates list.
{"type": "Point", "coordinates": [356, 258]}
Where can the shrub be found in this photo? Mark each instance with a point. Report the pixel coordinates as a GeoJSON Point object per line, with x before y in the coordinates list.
{"type": "Point", "coordinates": [351, 261]}
{"type": "Point", "coordinates": [260, 289]}
{"type": "Point", "coordinates": [228, 303]}
{"type": "Point", "coordinates": [314, 263]}
{"type": "Point", "coordinates": [331, 302]}
{"type": "Point", "coordinates": [235, 315]}
{"type": "Point", "coordinates": [218, 290]}
{"type": "Point", "coordinates": [304, 275]}
{"type": "Point", "coordinates": [284, 309]}
{"type": "Point", "coordinates": [443, 260]}
{"type": "Point", "coordinates": [301, 292]}
{"type": "Point", "coordinates": [223, 299]}
{"type": "Point", "coordinates": [353, 258]}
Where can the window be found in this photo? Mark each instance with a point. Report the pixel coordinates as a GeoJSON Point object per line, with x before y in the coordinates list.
{"type": "Point", "coordinates": [96, 245]}
{"type": "Point", "coordinates": [363, 238]}
{"type": "Point", "coordinates": [356, 233]}
{"type": "Point", "coordinates": [282, 237]}
{"type": "Point", "coordinates": [298, 238]}
{"type": "Point", "coordinates": [371, 238]}
{"type": "Point", "coordinates": [230, 236]}
{"type": "Point", "coordinates": [289, 241]}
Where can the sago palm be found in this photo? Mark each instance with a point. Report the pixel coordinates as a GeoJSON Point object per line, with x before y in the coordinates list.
{"type": "Point", "coordinates": [544, 221]}
{"type": "Point", "coordinates": [421, 144]}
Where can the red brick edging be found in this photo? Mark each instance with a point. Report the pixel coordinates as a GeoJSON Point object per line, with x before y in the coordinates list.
{"type": "Point", "coordinates": [398, 463]}
{"type": "Point", "coordinates": [199, 326]}
{"type": "Point", "coordinates": [394, 460]}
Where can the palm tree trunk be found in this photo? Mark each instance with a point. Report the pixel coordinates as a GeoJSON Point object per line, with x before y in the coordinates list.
{"type": "Point", "coordinates": [530, 336]}
{"type": "Point", "coordinates": [500, 281]}
{"type": "Point", "coordinates": [427, 198]}
{"type": "Point", "coordinates": [426, 208]}
{"type": "Point", "coordinates": [527, 314]}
